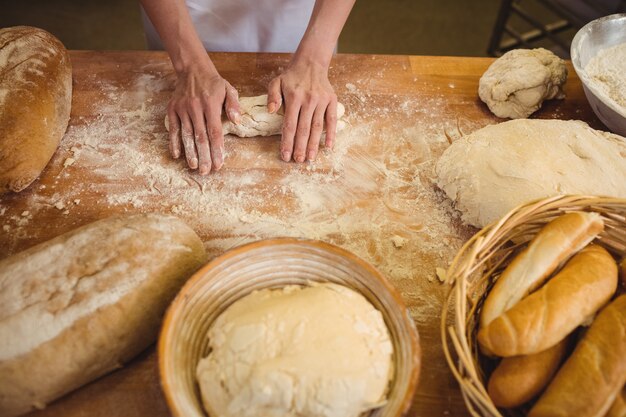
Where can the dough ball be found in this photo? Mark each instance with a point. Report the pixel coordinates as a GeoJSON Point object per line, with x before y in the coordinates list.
{"type": "Point", "coordinates": [518, 82]}
{"type": "Point", "coordinates": [499, 167]}
{"type": "Point", "coordinates": [319, 351]}
{"type": "Point", "coordinates": [256, 121]}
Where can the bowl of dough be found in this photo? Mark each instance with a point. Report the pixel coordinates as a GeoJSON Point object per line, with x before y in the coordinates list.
{"type": "Point", "coordinates": [288, 327]}
{"type": "Point", "coordinates": [598, 54]}
{"type": "Point", "coordinates": [534, 321]}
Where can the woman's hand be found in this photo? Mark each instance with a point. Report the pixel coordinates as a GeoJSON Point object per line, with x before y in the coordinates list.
{"type": "Point", "coordinates": [195, 118]}
{"type": "Point", "coordinates": [310, 104]}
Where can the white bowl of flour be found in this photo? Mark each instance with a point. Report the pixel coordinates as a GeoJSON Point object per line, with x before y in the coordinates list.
{"type": "Point", "coordinates": [599, 57]}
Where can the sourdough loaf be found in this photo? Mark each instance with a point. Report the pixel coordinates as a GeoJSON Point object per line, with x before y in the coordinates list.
{"type": "Point", "coordinates": [593, 376]}
{"type": "Point", "coordinates": [35, 101]}
{"type": "Point", "coordinates": [82, 304]}
{"type": "Point", "coordinates": [544, 318]}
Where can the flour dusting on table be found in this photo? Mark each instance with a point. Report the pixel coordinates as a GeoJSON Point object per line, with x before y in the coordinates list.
{"type": "Point", "coordinates": [371, 192]}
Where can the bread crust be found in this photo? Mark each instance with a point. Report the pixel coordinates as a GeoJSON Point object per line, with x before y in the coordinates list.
{"type": "Point", "coordinates": [519, 379]}
{"type": "Point", "coordinates": [592, 377]}
{"type": "Point", "coordinates": [553, 245]}
{"type": "Point", "coordinates": [136, 264]}
{"type": "Point", "coordinates": [544, 318]}
{"type": "Point", "coordinates": [35, 103]}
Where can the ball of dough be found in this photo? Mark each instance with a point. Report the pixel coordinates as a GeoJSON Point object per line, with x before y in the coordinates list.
{"type": "Point", "coordinates": [319, 351]}
{"type": "Point", "coordinates": [499, 167]}
{"type": "Point", "coordinates": [518, 82]}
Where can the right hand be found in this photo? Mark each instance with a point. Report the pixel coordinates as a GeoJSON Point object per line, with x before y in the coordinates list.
{"type": "Point", "coordinates": [195, 118]}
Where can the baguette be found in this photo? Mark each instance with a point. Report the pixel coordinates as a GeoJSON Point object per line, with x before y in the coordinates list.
{"type": "Point", "coordinates": [553, 245]}
{"type": "Point", "coordinates": [588, 382]}
{"type": "Point", "coordinates": [618, 408]}
{"type": "Point", "coordinates": [545, 317]}
{"type": "Point", "coordinates": [78, 306]}
{"type": "Point", "coordinates": [519, 379]}
{"type": "Point", "coordinates": [35, 102]}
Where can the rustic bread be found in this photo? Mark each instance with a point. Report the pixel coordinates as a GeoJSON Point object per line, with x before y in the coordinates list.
{"type": "Point", "coordinates": [591, 378]}
{"type": "Point", "coordinates": [82, 304]}
{"type": "Point", "coordinates": [553, 245]}
{"type": "Point", "coordinates": [519, 379]}
{"type": "Point", "coordinates": [541, 320]}
{"type": "Point", "coordinates": [35, 101]}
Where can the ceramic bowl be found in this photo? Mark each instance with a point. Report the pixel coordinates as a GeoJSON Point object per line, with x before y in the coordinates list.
{"type": "Point", "coordinates": [273, 264]}
{"type": "Point", "coordinates": [595, 36]}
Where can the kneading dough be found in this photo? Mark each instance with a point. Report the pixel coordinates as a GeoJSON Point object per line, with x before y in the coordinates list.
{"type": "Point", "coordinates": [518, 82]}
{"type": "Point", "coordinates": [319, 351]}
{"type": "Point", "coordinates": [256, 121]}
{"type": "Point", "coordinates": [499, 167]}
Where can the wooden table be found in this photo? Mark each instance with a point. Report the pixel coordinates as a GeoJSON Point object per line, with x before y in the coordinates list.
{"type": "Point", "coordinates": [373, 195]}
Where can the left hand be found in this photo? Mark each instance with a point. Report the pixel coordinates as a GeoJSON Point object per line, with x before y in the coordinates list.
{"type": "Point", "coordinates": [310, 103]}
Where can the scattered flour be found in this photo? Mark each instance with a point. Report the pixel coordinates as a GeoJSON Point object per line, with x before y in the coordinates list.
{"type": "Point", "coordinates": [373, 194]}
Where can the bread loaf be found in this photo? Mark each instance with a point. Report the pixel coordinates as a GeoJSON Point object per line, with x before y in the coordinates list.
{"type": "Point", "coordinates": [80, 305]}
{"type": "Point", "coordinates": [519, 379]}
{"type": "Point", "coordinates": [553, 245]}
{"type": "Point", "coordinates": [35, 101]}
{"type": "Point", "coordinates": [623, 271]}
{"type": "Point", "coordinates": [541, 320]}
{"type": "Point", "coordinates": [591, 378]}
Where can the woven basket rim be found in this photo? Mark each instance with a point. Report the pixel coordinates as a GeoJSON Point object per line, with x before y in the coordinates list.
{"type": "Point", "coordinates": [472, 255]}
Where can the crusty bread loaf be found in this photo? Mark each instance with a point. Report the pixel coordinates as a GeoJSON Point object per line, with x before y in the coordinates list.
{"type": "Point", "coordinates": [35, 101]}
{"type": "Point", "coordinates": [623, 271]}
{"type": "Point", "coordinates": [618, 408]}
{"type": "Point", "coordinates": [553, 245]}
{"type": "Point", "coordinates": [541, 320]}
{"type": "Point", "coordinates": [78, 306]}
{"type": "Point", "coordinates": [591, 378]}
{"type": "Point", "coordinates": [519, 379]}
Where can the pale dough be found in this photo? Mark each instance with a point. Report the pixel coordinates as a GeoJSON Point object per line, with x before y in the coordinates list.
{"type": "Point", "coordinates": [499, 167]}
{"type": "Point", "coordinates": [518, 82]}
{"type": "Point", "coordinates": [318, 351]}
{"type": "Point", "coordinates": [256, 121]}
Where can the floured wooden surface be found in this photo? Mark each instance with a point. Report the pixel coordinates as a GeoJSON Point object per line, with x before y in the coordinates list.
{"type": "Point", "coordinates": [373, 195]}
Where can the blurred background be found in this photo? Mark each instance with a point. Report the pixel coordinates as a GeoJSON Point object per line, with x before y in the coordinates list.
{"type": "Point", "coordinates": [416, 27]}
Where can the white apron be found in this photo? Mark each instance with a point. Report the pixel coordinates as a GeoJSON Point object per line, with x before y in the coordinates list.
{"type": "Point", "coordinates": [244, 25]}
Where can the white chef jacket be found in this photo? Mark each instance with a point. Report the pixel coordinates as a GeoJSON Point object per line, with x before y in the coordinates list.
{"type": "Point", "coordinates": [244, 25]}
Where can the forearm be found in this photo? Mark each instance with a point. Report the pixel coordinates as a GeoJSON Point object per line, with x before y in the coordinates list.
{"type": "Point", "coordinates": [173, 23]}
{"type": "Point", "coordinates": [322, 33]}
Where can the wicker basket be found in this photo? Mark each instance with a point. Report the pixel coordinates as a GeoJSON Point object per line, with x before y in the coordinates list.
{"type": "Point", "coordinates": [273, 264]}
{"type": "Point", "coordinates": [480, 262]}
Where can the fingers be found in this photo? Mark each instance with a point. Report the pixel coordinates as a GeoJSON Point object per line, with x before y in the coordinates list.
{"type": "Point", "coordinates": [317, 125]}
{"type": "Point", "coordinates": [303, 132]}
{"type": "Point", "coordinates": [201, 140]}
{"type": "Point", "coordinates": [331, 123]}
{"type": "Point", "coordinates": [290, 123]}
{"type": "Point", "coordinates": [188, 140]}
{"type": "Point", "coordinates": [274, 96]}
{"type": "Point", "coordinates": [216, 137]}
{"type": "Point", "coordinates": [174, 132]}
{"type": "Point", "coordinates": [231, 104]}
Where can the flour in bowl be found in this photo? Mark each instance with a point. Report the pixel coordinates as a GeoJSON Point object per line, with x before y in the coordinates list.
{"type": "Point", "coordinates": [607, 71]}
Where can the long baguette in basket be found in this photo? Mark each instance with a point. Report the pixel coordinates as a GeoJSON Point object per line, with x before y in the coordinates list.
{"type": "Point", "coordinates": [553, 245]}
{"type": "Point", "coordinates": [589, 381]}
{"type": "Point", "coordinates": [547, 316]}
